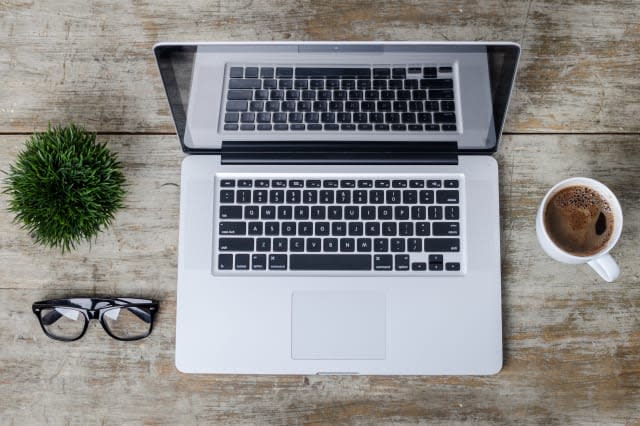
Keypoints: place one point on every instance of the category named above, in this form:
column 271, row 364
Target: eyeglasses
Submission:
column 121, row 318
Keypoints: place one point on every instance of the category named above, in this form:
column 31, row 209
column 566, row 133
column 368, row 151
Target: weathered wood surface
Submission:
column 571, row 342
column 90, row 60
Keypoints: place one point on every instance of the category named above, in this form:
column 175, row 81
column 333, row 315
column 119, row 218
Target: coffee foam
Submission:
column 571, row 216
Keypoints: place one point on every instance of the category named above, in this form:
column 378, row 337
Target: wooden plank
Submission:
column 571, row 341
column 91, row 62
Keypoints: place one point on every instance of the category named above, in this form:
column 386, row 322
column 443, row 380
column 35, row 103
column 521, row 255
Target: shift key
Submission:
column 235, row 244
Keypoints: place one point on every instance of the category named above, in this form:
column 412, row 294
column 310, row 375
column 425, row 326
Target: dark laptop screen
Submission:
column 429, row 92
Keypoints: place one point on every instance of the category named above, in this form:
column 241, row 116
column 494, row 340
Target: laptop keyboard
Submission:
column 349, row 99
column 360, row 223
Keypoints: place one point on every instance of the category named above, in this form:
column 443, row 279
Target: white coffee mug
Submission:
column 601, row 262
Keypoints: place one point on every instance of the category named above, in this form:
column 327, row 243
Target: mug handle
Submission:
column 606, row 267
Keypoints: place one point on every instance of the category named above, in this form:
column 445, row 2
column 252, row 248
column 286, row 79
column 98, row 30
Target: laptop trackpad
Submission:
column 338, row 325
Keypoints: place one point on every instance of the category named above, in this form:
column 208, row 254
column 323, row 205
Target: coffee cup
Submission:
column 580, row 221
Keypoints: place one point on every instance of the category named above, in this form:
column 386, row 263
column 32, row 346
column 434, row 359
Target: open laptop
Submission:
column 339, row 205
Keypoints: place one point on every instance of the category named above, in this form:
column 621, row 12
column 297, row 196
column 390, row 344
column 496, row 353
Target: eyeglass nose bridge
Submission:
column 93, row 313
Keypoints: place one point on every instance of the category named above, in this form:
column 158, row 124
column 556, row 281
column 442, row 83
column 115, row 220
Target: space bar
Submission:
column 330, row 262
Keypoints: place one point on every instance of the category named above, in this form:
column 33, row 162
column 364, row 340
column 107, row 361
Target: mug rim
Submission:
column 596, row 186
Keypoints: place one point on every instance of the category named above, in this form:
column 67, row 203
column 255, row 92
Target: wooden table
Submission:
column 571, row 341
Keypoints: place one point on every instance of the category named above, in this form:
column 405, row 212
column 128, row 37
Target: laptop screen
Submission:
column 317, row 91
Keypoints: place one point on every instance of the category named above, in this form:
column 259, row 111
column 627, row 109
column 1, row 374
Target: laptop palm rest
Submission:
column 338, row 325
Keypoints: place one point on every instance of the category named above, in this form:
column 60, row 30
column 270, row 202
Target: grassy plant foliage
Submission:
column 65, row 187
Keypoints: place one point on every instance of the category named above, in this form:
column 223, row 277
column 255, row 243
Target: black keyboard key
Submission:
column 449, row 127
column 414, row 183
column 382, row 127
column 432, row 127
column 296, row 244
column 301, row 84
column 423, row 229
column 247, row 117
column 414, row 245
column 322, row 228
column 278, row 262
column 226, row 196
column 283, row 72
column 280, row 127
column 411, row 84
column 408, row 118
column 419, row 95
column 309, row 196
column 232, row 228
column 242, row 262
column 348, row 84
column 236, row 72
column 231, row 117
column 429, row 72
column 348, row 127
column 440, row 94
column 399, row 106
column 339, row 228
column 399, row 127
column 339, row 95
column 280, row 117
column 270, row 84
column 419, row 266
column 271, row 228
column 251, row 72
column 301, row 212
column 330, row 262
column 393, row 196
column 344, row 117
column 376, row 117
column 245, row 83
column 382, row 262
column 431, row 183
column 251, row 212
column 397, row 245
column 450, row 183
column 410, row 196
column 446, row 228
column 401, row 212
column 237, row 105
column 380, row 85
column 263, row 244
column 372, row 229
column 256, row 106
column 444, row 117
column 272, row 106
column 418, row 213
column 314, row 244
column 285, row 84
column 405, row 229
column 263, row 117
column 335, row 212
column 318, row 212
column 399, row 73
column 347, row 244
column 384, row 73
column 235, row 244
column 304, row 72
column 264, row 127
column 317, row 84
column 258, row 262
column 451, row 212
column 395, row 84
column 292, row 95
column 324, row 95
column 381, row 245
column 363, row 245
column 387, row 95
column 447, row 106
column 441, row 244
column 415, row 127
column 268, row 212
column 266, row 72
column 447, row 196
column 435, row 212
column 436, row 266
column 367, row 213
column 314, row 126
column 225, row 261
column 305, row 228
column 247, row 127
column 230, row 212
column 330, row 244
column 403, row 95
column 424, row 117
column 385, row 212
column 275, row 95
column 402, row 262
column 389, row 229
column 297, row 126
column 285, row 212
column 436, row 258
column 280, row 244
column 444, row 83
column 453, row 266
column 356, row 228
column 351, row 212
column 245, row 183
column 255, row 228
column 399, row 183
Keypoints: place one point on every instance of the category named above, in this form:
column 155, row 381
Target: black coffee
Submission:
column 579, row 220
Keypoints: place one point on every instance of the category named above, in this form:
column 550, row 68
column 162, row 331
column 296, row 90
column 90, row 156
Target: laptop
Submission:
column 339, row 208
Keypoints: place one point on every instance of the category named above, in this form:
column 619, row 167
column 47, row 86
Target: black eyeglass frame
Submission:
column 95, row 308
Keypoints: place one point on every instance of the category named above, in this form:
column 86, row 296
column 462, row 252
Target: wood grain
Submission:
column 90, row 61
column 571, row 342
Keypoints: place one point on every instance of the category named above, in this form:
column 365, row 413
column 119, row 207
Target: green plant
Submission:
column 65, row 187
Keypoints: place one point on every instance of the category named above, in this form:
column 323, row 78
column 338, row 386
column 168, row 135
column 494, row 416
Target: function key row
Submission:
column 338, row 72
column 342, row 183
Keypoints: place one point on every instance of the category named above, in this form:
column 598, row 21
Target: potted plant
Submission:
column 64, row 187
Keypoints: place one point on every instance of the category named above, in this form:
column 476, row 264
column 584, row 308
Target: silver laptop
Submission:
column 339, row 205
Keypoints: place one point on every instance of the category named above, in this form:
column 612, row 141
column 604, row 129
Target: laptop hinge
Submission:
column 338, row 152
